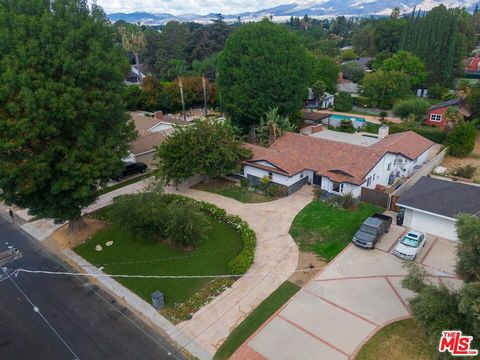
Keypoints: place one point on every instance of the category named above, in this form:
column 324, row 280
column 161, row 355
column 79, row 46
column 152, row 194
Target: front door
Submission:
column 317, row 180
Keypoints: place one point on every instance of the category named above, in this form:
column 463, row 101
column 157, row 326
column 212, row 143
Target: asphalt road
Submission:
column 76, row 320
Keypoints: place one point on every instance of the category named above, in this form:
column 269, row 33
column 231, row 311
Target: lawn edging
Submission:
column 242, row 262
column 256, row 319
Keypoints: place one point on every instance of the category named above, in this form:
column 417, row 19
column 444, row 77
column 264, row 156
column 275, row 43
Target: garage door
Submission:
column 434, row 225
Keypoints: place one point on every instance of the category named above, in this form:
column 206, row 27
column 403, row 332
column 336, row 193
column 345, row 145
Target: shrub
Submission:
column 244, row 182
column 436, row 91
column 346, row 201
column 383, row 114
column 186, row 225
column 353, row 71
column 343, row 101
column 461, row 140
column 466, row 171
column 432, row 133
column 417, row 107
column 264, row 183
column 242, row 262
column 145, row 215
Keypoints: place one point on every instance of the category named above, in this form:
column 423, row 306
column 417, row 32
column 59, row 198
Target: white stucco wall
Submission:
column 380, row 172
column 434, row 225
column 276, row 178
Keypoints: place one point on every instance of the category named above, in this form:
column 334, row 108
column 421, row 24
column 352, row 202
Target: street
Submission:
column 69, row 318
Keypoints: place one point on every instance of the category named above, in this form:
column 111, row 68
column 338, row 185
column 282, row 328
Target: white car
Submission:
column 410, row 245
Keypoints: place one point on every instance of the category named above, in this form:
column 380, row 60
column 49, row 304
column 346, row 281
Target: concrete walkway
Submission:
column 276, row 257
column 346, row 304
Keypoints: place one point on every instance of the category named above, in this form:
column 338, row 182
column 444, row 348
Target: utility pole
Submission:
column 204, row 82
column 180, row 84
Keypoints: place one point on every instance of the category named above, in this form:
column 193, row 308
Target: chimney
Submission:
column 158, row 115
column 383, row 131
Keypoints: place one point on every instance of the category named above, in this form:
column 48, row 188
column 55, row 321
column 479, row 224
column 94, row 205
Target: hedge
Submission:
column 242, row 262
column 434, row 134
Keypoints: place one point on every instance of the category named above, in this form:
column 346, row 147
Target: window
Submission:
column 337, row 187
column 369, row 180
column 301, row 176
column 389, row 167
column 270, row 175
column 436, row 117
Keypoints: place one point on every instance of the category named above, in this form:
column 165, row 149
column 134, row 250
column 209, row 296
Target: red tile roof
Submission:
column 408, row 144
column 341, row 162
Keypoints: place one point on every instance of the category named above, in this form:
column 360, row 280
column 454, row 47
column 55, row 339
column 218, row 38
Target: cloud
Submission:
column 178, row 7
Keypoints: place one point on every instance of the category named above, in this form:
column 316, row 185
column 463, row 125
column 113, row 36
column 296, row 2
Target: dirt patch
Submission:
column 306, row 261
column 452, row 162
column 63, row 239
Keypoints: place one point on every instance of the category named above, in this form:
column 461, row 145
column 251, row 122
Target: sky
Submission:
column 178, row 7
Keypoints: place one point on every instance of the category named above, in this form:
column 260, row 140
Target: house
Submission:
column 436, row 113
column 152, row 131
column 324, row 102
column 432, row 204
column 135, row 76
column 337, row 167
column 348, row 87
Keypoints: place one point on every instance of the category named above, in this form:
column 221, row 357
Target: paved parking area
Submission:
column 352, row 298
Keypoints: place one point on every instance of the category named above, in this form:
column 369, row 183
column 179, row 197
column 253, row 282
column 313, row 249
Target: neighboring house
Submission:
column 431, row 205
column 314, row 117
column 152, row 131
column 436, row 113
column 135, row 76
column 324, row 102
column 338, row 168
column 348, row 87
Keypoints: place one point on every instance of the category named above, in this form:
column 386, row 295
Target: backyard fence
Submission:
column 407, row 185
column 375, row 197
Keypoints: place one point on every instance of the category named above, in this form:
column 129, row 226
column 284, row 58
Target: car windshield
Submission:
column 368, row 229
column 409, row 241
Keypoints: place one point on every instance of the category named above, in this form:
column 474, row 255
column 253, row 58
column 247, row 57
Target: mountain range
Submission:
column 315, row 9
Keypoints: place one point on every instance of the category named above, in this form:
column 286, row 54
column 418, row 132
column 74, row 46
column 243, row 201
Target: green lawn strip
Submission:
column 327, row 230
column 121, row 184
column 401, row 340
column 256, row 318
column 210, row 258
column 231, row 190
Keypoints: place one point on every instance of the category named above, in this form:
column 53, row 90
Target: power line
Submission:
column 37, row 310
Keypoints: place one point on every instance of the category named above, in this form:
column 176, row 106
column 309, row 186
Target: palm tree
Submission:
column 133, row 40
column 395, row 13
column 463, row 88
column 272, row 126
column 453, row 117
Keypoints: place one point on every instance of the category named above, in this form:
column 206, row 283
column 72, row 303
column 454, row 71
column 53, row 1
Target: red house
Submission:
column 436, row 113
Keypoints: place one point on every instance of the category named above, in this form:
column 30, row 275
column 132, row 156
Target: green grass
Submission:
column 121, row 184
column 402, row 340
column 210, row 258
column 232, row 190
column 325, row 229
column 258, row 316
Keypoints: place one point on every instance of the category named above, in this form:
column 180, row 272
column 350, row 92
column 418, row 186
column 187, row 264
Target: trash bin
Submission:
column 400, row 216
column 157, row 300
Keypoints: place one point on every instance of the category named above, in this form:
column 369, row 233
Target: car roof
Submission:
column 414, row 234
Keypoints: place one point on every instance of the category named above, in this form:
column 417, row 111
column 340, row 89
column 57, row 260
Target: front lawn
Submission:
column 325, row 229
column 232, row 190
column 256, row 318
column 402, row 340
column 128, row 256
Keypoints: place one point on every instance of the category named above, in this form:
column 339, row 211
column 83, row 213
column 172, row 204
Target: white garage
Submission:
column 432, row 204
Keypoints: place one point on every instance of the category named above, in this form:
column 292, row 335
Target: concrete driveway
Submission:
column 342, row 307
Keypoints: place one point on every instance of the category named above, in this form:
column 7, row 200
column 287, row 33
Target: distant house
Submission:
column 436, row 113
column 338, row 168
column 324, row 102
column 431, row 205
column 152, row 131
column 135, row 76
column 348, row 87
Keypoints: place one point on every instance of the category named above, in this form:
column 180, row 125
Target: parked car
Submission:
column 410, row 245
column 400, row 216
column 132, row 168
column 371, row 230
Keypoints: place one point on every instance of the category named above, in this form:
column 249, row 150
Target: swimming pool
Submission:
column 336, row 120
column 343, row 117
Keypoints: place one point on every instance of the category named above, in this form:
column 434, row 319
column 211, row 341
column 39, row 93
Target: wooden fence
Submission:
column 375, row 197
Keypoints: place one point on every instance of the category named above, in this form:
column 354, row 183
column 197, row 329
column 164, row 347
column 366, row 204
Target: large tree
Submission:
column 63, row 126
column 262, row 66
column 409, row 64
column 209, row 148
column 383, row 88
